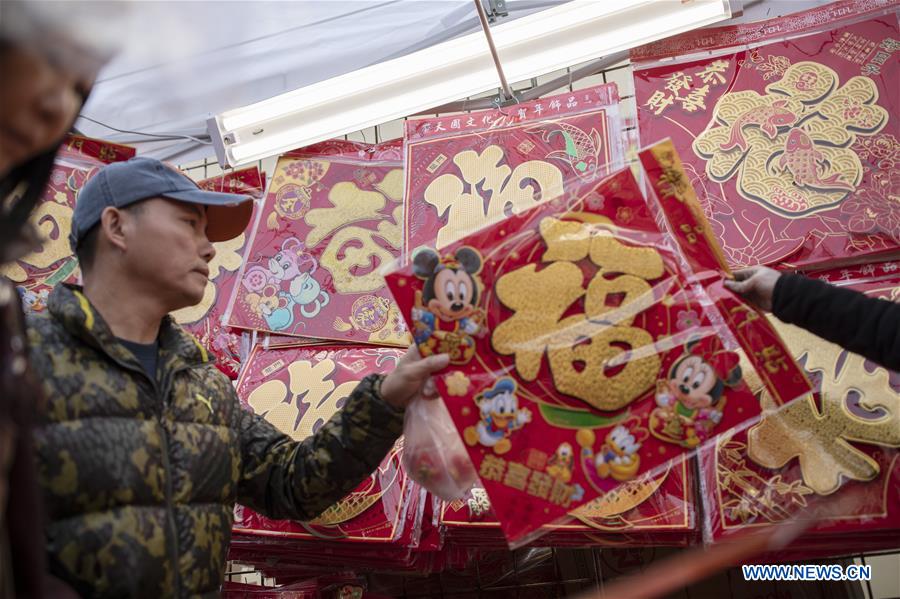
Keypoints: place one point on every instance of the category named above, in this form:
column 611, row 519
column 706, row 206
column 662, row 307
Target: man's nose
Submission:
column 209, row 250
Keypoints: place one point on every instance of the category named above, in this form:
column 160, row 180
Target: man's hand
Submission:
column 412, row 378
column 756, row 285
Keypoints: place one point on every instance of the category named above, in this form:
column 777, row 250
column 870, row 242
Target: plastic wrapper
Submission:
column 788, row 129
column 205, row 320
column 276, row 341
column 331, row 218
column 587, row 350
column 37, row 273
column 839, row 471
column 465, row 172
column 433, row 454
column 297, row 390
column 431, row 538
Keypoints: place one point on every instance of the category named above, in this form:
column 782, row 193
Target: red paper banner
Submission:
column 36, row 274
column 793, row 144
column 297, row 390
column 331, row 219
column 659, row 511
column 204, row 320
column 467, row 171
column 577, row 337
column 847, row 466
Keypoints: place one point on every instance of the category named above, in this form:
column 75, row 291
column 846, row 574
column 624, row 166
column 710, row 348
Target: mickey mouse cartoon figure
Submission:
column 690, row 402
column 446, row 315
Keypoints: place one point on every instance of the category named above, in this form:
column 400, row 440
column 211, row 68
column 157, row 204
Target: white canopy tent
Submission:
column 184, row 61
column 209, row 57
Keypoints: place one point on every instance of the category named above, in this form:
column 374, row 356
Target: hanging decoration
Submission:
column 792, row 143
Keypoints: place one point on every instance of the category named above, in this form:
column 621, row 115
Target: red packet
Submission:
column 37, row 273
column 297, row 390
column 331, row 218
column 577, row 336
column 849, row 480
column 204, row 320
column 467, row 171
column 792, row 144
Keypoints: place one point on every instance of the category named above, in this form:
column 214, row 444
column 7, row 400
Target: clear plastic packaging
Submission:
column 747, row 107
column 331, row 217
column 841, row 491
column 297, row 390
column 433, row 454
column 587, row 346
column 468, row 171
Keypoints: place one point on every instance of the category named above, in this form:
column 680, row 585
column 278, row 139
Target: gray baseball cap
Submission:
column 123, row 183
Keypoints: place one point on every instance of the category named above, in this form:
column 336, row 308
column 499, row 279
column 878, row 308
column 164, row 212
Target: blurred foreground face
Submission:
column 39, row 99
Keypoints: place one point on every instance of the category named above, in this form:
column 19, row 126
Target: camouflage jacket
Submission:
column 140, row 477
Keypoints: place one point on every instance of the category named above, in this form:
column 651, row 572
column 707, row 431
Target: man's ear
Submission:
column 113, row 227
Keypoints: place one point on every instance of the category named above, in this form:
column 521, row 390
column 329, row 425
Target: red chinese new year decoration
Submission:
column 586, row 350
column 37, row 273
column 468, row 171
column 798, row 464
column 792, row 144
column 205, row 320
column 298, row 389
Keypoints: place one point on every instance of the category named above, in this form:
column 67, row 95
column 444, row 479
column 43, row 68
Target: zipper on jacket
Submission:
column 162, row 401
column 170, row 508
column 163, row 395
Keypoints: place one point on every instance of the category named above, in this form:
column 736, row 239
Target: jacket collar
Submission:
column 69, row 306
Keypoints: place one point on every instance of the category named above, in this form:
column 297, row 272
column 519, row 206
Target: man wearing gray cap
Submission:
column 145, row 449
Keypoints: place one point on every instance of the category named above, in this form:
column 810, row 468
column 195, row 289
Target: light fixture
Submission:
column 540, row 43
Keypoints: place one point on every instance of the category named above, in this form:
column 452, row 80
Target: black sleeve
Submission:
column 863, row 325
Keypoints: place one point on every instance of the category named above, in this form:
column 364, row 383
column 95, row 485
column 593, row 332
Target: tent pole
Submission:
column 507, row 90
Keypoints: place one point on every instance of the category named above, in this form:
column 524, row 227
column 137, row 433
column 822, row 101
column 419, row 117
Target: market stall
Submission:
column 566, row 240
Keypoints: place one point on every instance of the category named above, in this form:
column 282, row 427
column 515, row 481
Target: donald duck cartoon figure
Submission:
column 500, row 415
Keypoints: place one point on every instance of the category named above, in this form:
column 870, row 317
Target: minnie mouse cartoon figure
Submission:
column 292, row 266
column 446, row 315
column 691, row 401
